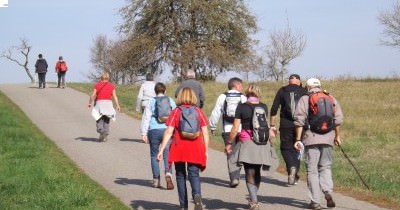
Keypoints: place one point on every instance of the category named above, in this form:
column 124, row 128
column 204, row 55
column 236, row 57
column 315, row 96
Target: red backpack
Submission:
column 62, row 66
column 321, row 116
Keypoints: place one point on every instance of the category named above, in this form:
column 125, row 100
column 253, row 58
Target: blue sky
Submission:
column 343, row 37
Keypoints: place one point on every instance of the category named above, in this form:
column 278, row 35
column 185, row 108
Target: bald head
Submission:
column 190, row 74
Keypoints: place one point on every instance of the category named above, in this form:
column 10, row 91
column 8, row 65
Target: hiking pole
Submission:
column 347, row 157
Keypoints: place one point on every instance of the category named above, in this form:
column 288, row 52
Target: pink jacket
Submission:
column 301, row 115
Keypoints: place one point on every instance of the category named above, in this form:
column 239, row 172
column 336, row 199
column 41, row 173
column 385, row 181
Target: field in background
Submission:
column 35, row 173
column 370, row 132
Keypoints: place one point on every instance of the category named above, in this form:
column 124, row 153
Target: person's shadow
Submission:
column 131, row 140
column 92, row 139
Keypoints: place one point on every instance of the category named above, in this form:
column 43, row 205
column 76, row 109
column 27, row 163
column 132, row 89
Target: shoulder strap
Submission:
column 101, row 88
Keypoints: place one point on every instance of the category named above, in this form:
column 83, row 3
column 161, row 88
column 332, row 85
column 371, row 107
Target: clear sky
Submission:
column 343, row 37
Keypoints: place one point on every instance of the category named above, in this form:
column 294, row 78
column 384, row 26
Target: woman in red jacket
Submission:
column 190, row 154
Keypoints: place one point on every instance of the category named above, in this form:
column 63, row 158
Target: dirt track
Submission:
column 122, row 164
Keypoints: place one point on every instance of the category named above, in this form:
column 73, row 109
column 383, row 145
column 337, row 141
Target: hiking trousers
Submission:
column 318, row 159
column 61, row 79
column 233, row 167
column 103, row 125
column 193, row 171
column 289, row 153
column 42, row 79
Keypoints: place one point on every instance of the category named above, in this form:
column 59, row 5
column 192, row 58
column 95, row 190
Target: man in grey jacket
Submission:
column 195, row 85
column 318, row 147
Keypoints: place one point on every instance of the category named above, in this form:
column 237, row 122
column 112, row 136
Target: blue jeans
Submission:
column 155, row 137
column 194, row 179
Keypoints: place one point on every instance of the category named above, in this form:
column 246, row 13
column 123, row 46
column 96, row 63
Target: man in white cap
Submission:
column 322, row 116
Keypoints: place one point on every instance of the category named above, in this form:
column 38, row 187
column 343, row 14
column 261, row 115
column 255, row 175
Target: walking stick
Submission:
column 347, row 157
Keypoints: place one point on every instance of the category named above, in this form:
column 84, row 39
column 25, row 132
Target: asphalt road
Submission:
column 122, row 164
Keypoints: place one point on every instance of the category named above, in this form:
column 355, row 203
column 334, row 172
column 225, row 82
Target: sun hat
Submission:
column 313, row 82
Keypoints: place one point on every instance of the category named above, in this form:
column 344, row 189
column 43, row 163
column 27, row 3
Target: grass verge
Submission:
column 370, row 132
column 35, row 174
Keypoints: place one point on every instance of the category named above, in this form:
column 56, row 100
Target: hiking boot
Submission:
column 292, row 176
column 314, row 206
column 254, row 205
column 329, row 200
column 234, row 183
column 156, row 183
column 197, row 203
column 168, row 179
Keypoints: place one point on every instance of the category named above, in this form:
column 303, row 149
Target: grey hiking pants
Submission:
column 103, row 125
column 233, row 167
column 318, row 159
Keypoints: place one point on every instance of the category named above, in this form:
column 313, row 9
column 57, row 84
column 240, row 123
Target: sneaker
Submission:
column 254, row 205
column 234, row 183
column 315, row 206
column 197, row 203
column 329, row 200
column 156, row 183
column 168, row 179
column 292, row 176
column 296, row 180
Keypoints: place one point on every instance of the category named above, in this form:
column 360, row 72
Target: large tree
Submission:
column 24, row 49
column 390, row 19
column 284, row 46
column 208, row 36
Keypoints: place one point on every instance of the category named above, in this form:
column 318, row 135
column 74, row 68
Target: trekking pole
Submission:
column 347, row 157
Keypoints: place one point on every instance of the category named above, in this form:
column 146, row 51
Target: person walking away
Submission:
column 196, row 86
column 226, row 105
column 254, row 149
column 103, row 110
column 153, row 127
column 323, row 116
column 189, row 147
column 146, row 92
column 41, row 70
column 61, row 70
column 287, row 98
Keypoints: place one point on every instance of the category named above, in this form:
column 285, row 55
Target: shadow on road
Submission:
column 140, row 204
column 87, row 139
column 126, row 181
column 132, row 140
column 283, row 201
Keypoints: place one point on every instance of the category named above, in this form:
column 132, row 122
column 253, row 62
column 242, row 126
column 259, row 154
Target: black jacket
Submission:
column 41, row 66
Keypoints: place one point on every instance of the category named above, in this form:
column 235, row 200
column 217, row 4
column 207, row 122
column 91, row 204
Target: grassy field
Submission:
column 35, row 174
column 370, row 132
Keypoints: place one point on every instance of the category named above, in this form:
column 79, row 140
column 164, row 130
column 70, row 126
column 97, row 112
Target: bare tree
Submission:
column 284, row 46
column 390, row 19
column 24, row 48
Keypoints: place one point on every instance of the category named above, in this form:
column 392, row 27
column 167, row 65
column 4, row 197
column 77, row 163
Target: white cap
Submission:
column 313, row 82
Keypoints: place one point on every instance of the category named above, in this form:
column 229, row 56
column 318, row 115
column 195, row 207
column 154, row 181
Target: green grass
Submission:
column 370, row 132
column 35, row 174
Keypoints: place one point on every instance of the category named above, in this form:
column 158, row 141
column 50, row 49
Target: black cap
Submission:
column 294, row 76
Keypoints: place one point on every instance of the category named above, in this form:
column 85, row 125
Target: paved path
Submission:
column 122, row 165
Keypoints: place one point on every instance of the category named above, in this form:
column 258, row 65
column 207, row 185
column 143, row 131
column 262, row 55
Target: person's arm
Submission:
column 216, row 113
column 232, row 135
column 275, row 107
column 92, row 97
column 167, row 135
column 206, row 139
column 114, row 95
column 139, row 99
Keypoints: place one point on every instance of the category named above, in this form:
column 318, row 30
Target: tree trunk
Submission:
column 29, row 74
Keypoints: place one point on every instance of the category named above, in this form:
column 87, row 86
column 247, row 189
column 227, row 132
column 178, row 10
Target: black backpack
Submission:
column 291, row 98
column 321, row 115
column 259, row 125
column 162, row 108
column 231, row 102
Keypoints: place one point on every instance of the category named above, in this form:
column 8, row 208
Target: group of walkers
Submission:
column 41, row 69
column 177, row 132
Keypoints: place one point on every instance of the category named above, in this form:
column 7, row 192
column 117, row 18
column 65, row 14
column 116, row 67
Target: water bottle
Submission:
column 300, row 145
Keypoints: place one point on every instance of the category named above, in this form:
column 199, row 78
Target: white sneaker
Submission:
column 168, row 179
column 156, row 183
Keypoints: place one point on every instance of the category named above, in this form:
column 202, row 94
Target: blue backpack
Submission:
column 189, row 123
column 162, row 108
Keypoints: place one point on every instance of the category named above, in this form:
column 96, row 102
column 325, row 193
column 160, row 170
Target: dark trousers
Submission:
column 42, row 79
column 193, row 171
column 289, row 153
column 61, row 79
